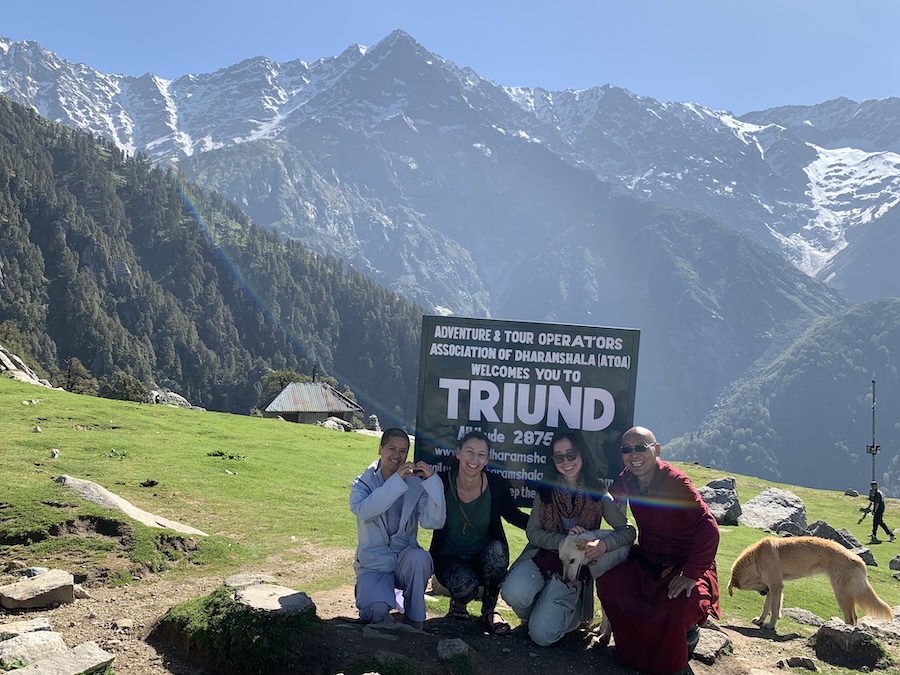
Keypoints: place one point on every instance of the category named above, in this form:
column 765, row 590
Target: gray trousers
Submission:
column 375, row 596
column 549, row 606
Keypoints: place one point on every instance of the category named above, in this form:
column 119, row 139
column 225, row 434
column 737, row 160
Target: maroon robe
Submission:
column 676, row 535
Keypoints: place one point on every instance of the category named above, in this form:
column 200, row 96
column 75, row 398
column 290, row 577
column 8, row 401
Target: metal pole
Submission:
column 873, row 449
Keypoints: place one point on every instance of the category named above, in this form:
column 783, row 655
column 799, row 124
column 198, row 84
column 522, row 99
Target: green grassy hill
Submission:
column 264, row 491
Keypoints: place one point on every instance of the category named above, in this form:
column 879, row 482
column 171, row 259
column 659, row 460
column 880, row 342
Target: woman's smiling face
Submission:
column 472, row 456
column 393, row 453
column 567, row 459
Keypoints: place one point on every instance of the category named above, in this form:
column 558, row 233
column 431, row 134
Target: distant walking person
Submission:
column 877, row 506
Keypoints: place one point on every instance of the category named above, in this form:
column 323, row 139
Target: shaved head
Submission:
column 640, row 435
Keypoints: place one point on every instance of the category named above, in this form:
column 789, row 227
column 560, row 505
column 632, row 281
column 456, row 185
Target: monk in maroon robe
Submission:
column 668, row 586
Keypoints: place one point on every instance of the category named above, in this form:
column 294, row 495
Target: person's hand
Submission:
column 578, row 529
column 423, row 470
column 679, row 584
column 406, row 470
column 595, row 549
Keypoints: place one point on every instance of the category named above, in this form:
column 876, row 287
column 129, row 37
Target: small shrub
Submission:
column 231, row 636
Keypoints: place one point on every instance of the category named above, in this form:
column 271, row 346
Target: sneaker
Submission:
column 892, row 538
column 874, row 540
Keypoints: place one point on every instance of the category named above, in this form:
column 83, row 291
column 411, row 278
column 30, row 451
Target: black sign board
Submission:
column 520, row 383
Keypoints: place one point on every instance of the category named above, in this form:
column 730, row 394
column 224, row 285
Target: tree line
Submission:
column 115, row 271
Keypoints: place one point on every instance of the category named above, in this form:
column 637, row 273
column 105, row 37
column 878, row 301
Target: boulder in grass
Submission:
column 45, row 590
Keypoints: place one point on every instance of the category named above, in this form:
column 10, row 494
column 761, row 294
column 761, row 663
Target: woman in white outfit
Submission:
column 390, row 500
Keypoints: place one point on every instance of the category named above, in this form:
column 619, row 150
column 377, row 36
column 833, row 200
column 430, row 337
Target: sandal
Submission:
column 458, row 610
column 495, row 627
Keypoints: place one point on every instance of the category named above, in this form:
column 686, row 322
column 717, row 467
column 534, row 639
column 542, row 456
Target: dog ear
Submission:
column 733, row 583
column 581, row 544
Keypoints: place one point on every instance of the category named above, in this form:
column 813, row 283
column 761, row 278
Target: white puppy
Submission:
column 572, row 555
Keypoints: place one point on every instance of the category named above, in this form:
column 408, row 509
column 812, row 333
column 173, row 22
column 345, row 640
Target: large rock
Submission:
column 31, row 647
column 100, row 495
column 712, row 644
column 18, row 370
column 85, row 659
column 848, row 647
column 772, row 508
column 44, row 590
column 168, row 397
column 274, row 599
column 722, row 499
column 843, row 537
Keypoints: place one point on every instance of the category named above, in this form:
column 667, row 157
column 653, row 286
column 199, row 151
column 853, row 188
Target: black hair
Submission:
column 393, row 432
column 593, row 486
column 476, row 434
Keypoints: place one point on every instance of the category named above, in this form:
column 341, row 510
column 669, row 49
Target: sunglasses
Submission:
column 638, row 447
column 569, row 456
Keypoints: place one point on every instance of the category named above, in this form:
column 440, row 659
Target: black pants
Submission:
column 878, row 519
column 462, row 575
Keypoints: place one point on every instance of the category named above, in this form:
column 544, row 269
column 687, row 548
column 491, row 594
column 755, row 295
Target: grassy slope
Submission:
column 288, row 489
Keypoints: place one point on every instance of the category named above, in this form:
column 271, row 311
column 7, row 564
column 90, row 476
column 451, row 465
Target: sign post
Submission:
column 520, row 383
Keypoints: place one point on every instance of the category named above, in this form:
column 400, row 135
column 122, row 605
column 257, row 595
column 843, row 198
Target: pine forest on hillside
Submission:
column 126, row 268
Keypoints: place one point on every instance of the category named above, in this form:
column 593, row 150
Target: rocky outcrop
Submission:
column 16, row 368
column 844, row 537
column 774, row 510
column 335, row 424
column 169, row 397
column 722, row 499
column 31, row 647
column 100, row 495
column 849, row 647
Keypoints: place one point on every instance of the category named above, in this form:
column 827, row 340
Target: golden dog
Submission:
column 767, row 564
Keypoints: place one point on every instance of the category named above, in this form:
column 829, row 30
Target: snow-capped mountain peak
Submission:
column 799, row 179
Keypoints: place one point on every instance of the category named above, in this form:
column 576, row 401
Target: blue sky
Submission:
column 732, row 55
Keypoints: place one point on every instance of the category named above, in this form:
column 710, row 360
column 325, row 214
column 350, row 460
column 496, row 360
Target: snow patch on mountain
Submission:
column 847, row 188
column 781, row 175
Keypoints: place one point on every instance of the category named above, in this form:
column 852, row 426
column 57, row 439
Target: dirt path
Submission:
column 120, row 620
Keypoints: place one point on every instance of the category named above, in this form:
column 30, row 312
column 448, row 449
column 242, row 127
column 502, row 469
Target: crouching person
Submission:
column 572, row 501
column 390, row 500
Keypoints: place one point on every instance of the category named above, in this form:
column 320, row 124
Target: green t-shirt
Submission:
column 467, row 524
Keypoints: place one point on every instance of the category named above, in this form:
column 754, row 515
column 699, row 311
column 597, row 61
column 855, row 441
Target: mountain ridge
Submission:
column 713, row 234
column 767, row 189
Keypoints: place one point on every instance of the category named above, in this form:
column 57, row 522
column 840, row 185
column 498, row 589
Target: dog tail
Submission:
column 873, row 605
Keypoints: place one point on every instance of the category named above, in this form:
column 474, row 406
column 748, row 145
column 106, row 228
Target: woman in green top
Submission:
column 471, row 550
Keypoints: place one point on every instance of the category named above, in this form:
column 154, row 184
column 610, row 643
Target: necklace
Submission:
column 462, row 514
